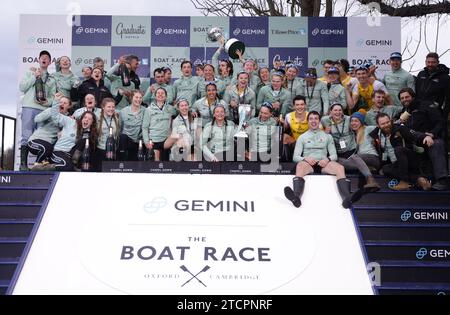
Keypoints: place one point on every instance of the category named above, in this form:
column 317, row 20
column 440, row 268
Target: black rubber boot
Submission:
column 343, row 186
column 24, row 158
column 295, row 195
column 348, row 198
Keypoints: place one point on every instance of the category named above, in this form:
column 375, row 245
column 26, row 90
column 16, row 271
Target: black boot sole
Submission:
column 290, row 195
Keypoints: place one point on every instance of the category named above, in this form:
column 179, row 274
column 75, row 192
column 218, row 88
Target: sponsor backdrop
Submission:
column 194, row 241
column 166, row 41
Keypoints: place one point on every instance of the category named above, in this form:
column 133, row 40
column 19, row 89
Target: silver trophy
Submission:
column 231, row 45
column 245, row 111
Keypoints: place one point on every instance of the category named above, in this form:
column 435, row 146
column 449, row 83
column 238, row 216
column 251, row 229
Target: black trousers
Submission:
column 62, row 161
column 406, row 167
column 128, row 149
column 42, row 149
column 437, row 155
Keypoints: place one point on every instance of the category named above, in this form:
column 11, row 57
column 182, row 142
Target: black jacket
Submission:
column 425, row 118
column 434, row 87
column 90, row 87
column 401, row 136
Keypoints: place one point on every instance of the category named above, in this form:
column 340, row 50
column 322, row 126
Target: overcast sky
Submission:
column 9, row 31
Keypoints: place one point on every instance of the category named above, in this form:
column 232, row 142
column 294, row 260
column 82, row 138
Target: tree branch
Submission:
column 411, row 10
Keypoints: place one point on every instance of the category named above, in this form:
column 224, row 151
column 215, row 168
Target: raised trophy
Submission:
column 231, row 46
column 245, row 111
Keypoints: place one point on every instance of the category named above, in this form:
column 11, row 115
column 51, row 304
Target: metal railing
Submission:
column 8, row 142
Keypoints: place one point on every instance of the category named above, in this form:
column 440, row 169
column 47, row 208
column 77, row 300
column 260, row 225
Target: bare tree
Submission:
column 264, row 7
column 401, row 8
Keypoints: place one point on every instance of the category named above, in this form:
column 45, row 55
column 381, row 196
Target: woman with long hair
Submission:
column 109, row 119
column 218, row 137
column 364, row 142
column 204, row 107
column 131, row 118
column 156, row 124
column 186, row 130
column 240, row 93
column 71, row 133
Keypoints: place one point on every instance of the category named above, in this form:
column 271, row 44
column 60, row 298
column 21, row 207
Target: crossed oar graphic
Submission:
column 184, row 268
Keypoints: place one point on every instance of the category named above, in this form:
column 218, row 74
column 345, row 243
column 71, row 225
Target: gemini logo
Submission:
column 91, row 30
column 315, row 31
column 158, row 31
column 392, row 183
column 421, row 253
column 318, row 31
column 405, row 216
column 155, row 205
column 236, row 32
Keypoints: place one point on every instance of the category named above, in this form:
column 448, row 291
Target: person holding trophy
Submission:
column 224, row 68
column 240, row 94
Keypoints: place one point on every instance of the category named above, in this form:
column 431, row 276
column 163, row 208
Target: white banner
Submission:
column 37, row 33
column 193, row 234
column 373, row 41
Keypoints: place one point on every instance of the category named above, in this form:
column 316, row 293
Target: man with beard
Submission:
column 117, row 86
column 433, row 84
column 419, row 116
column 394, row 144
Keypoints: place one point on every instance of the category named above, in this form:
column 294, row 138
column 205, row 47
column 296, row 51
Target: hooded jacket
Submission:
column 434, row 87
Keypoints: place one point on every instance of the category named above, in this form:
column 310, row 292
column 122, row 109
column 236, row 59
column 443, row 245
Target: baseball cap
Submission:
column 333, row 70
column 396, row 55
column 311, row 73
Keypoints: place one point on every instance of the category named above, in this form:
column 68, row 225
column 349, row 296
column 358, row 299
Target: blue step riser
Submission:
column 7, row 271
column 410, row 253
column 415, row 275
column 19, row 212
column 421, row 234
column 436, row 216
column 406, row 200
column 15, row 230
column 25, row 181
column 3, row 290
column 22, row 196
column 11, row 250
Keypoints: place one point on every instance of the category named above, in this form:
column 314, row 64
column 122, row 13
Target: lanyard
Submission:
column 185, row 124
column 343, row 128
column 242, row 98
column 209, row 107
column 106, row 121
column 312, row 92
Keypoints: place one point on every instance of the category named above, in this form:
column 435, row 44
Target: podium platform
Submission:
column 192, row 234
